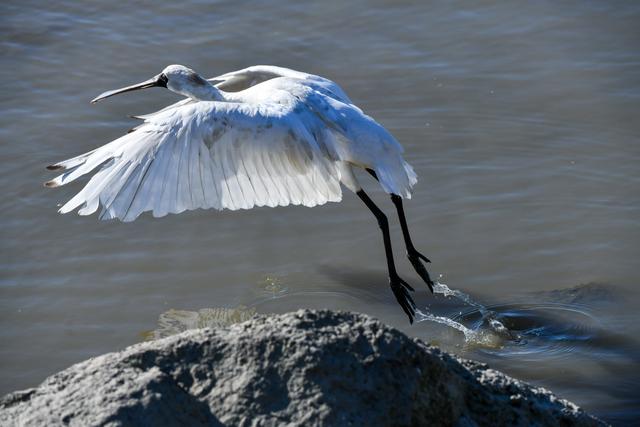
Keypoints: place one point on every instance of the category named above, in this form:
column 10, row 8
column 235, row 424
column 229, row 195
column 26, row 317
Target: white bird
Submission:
column 261, row 136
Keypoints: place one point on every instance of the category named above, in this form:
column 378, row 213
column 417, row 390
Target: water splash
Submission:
column 421, row 317
column 442, row 288
column 492, row 335
column 475, row 337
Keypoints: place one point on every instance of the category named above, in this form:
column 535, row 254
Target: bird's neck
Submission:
column 205, row 91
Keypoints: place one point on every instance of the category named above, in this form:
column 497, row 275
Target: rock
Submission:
column 303, row 368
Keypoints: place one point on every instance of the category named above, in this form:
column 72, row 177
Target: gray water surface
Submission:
column 520, row 118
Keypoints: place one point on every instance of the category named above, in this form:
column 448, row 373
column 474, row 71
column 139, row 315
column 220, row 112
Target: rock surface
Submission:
column 303, row 368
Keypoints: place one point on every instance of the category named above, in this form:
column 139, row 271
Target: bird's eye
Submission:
column 162, row 80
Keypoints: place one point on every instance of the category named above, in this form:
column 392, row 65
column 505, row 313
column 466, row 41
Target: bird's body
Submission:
column 262, row 136
column 287, row 140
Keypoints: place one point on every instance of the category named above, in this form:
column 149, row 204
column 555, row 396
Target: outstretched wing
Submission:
column 239, row 80
column 206, row 155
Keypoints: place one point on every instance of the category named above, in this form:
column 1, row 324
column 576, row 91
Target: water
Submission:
column 519, row 117
column 487, row 331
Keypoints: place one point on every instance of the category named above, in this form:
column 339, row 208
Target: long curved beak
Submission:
column 158, row 81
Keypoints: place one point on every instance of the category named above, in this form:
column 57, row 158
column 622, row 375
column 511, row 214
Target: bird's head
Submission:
column 184, row 81
column 176, row 78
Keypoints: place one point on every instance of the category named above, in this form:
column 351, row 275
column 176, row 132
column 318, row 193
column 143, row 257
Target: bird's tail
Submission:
column 396, row 176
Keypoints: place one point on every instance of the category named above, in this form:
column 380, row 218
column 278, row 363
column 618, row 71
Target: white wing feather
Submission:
column 287, row 143
column 239, row 80
column 205, row 155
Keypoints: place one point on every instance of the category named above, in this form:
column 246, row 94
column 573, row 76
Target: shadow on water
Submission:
column 372, row 282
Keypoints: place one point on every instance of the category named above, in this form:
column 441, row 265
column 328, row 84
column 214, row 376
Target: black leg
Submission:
column 414, row 256
column 399, row 287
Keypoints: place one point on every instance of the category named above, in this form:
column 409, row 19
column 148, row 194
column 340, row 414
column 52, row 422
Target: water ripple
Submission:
column 548, row 330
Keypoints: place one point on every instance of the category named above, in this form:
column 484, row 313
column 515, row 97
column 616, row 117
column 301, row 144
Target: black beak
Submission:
column 158, row 81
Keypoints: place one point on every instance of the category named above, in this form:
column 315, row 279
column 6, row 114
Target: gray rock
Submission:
column 303, row 368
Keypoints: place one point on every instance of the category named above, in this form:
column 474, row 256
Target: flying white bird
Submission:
column 261, row 136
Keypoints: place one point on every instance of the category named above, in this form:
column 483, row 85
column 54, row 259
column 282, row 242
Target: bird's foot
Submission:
column 401, row 290
column 416, row 258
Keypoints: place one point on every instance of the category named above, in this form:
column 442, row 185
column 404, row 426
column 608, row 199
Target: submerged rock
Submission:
column 302, row 368
column 175, row 321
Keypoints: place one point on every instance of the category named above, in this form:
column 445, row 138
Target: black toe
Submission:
column 400, row 290
column 415, row 259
